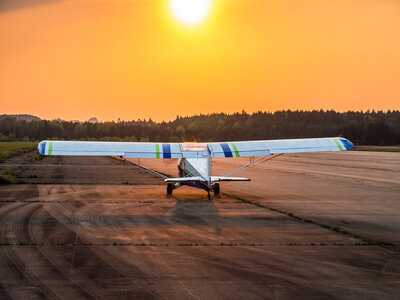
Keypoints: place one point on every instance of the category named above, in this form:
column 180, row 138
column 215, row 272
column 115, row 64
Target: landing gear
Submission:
column 170, row 188
column 216, row 189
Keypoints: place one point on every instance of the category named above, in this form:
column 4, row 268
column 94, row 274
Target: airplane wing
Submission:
column 127, row 149
column 267, row 147
column 178, row 150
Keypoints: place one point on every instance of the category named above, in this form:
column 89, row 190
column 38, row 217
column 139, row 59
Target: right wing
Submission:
column 267, row 147
column 127, row 149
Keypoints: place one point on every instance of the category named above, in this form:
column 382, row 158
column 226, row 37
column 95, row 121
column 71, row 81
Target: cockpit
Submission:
column 194, row 147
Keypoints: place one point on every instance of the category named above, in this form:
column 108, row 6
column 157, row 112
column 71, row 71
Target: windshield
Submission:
column 194, row 147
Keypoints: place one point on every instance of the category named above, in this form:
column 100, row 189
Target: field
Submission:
column 9, row 149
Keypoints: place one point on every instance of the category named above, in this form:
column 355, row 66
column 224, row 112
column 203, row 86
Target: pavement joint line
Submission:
column 336, row 229
column 115, row 244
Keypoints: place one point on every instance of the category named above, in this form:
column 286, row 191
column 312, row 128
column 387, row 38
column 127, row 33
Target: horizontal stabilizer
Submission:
column 184, row 179
column 221, row 178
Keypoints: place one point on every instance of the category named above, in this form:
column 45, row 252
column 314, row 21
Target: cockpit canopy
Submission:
column 194, row 147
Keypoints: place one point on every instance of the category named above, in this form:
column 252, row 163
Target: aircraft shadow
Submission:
column 197, row 212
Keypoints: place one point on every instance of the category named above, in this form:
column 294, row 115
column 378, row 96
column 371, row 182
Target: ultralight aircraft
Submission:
column 194, row 164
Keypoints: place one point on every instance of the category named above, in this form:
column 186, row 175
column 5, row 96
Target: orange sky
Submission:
column 131, row 59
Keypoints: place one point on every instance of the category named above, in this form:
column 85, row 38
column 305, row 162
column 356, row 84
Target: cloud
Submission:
column 8, row 5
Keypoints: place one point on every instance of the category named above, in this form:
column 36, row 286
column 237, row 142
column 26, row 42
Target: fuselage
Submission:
column 197, row 163
column 196, row 167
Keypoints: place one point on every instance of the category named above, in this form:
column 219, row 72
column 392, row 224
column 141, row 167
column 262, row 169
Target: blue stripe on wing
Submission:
column 42, row 148
column 226, row 149
column 166, row 150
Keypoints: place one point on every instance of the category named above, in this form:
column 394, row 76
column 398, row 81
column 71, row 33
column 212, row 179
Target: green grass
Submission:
column 9, row 176
column 10, row 149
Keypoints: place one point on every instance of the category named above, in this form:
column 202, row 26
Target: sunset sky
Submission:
column 133, row 59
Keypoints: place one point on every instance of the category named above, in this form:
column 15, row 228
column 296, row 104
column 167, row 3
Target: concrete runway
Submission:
column 316, row 226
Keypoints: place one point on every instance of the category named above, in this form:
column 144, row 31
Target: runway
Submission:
column 317, row 226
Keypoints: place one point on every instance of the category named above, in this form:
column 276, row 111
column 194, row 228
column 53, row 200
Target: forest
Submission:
column 362, row 128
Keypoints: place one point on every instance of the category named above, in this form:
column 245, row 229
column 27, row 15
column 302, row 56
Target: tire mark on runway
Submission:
column 118, row 259
column 133, row 273
column 391, row 269
column 94, row 256
column 19, row 262
column 71, row 272
column 27, row 259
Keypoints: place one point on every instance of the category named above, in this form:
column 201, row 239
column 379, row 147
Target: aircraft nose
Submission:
column 42, row 147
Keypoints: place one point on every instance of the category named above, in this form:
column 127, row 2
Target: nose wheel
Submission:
column 170, row 188
column 216, row 189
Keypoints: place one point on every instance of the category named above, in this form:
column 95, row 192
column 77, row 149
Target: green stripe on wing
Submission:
column 50, row 148
column 235, row 149
column 157, row 150
column 338, row 144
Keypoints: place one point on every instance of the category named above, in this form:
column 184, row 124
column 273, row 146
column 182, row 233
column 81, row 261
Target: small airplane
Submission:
column 194, row 163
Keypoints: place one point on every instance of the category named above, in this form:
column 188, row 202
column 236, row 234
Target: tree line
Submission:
column 363, row 128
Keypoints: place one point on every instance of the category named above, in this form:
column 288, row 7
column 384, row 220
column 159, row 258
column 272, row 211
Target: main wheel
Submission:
column 170, row 188
column 216, row 189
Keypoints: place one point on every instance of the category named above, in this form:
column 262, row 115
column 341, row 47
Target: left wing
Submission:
column 127, row 149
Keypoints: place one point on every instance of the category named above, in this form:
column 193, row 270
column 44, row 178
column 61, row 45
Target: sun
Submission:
column 190, row 12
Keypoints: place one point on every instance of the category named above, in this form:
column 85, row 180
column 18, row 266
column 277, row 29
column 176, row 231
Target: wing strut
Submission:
column 253, row 163
column 144, row 168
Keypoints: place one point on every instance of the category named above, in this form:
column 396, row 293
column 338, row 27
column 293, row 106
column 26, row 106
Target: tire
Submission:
column 170, row 188
column 216, row 189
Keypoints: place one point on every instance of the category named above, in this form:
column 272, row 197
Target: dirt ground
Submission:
column 310, row 226
column 76, row 170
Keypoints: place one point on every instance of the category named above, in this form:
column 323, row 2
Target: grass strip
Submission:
column 10, row 149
